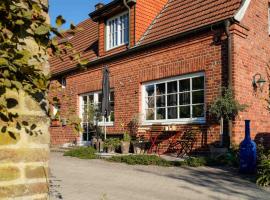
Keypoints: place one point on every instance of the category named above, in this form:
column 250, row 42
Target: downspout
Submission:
column 227, row 138
column 129, row 24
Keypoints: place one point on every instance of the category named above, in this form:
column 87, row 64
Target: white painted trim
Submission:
column 239, row 15
column 201, row 120
column 118, row 33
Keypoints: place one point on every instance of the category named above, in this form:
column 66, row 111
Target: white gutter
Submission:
column 239, row 15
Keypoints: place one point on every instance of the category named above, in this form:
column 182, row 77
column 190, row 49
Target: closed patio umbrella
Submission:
column 106, row 108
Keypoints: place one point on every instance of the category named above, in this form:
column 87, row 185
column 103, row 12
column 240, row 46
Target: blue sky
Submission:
column 72, row 10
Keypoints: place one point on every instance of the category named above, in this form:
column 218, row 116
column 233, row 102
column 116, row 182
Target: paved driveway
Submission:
column 75, row 179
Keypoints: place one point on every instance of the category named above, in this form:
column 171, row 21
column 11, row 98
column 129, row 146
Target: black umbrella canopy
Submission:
column 106, row 108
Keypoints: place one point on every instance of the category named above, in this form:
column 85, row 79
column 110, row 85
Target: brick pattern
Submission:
column 251, row 55
column 195, row 54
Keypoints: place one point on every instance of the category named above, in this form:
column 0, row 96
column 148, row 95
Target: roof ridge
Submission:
column 153, row 22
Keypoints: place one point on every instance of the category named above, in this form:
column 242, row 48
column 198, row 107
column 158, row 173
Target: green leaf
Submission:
column 34, row 126
column 42, row 30
column 12, row 135
column 25, row 123
column 19, row 22
column 60, row 21
column 3, row 62
column 4, row 129
column 11, row 103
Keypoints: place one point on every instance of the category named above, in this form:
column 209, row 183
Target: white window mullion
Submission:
column 155, row 99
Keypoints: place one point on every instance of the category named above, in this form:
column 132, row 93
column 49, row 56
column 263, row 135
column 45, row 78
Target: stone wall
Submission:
column 24, row 152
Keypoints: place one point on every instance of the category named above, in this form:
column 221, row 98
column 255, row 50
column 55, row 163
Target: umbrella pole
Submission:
column 105, row 129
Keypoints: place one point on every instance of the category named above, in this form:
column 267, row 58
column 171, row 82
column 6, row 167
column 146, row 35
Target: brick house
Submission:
column 168, row 61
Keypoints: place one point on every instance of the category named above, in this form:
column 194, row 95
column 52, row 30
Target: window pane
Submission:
column 172, row 100
column 112, row 96
column 198, row 111
column 160, row 101
column 198, row 97
column 185, row 112
column 172, row 87
column 184, row 85
column 150, row 89
column 184, row 98
column 172, row 113
column 85, row 100
column 99, row 97
column 91, row 99
column 150, row 115
column 112, row 106
column 150, row 102
column 160, row 89
column 198, row 83
column 112, row 117
column 161, row 113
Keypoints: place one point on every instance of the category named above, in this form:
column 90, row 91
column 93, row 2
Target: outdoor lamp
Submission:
column 258, row 81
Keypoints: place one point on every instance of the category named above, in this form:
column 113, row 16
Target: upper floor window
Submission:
column 117, row 31
column 179, row 99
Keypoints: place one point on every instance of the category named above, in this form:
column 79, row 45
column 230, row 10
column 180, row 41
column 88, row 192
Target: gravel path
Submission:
column 75, row 179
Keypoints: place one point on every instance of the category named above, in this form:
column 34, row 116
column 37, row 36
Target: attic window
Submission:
column 117, row 31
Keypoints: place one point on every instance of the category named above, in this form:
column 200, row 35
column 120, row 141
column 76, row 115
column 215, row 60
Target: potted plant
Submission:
column 56, row 119
column 225, row 108
column 111, row 144
column 139, row 145
column 125, row 143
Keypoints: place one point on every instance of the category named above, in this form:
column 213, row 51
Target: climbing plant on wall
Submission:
column 21, row 21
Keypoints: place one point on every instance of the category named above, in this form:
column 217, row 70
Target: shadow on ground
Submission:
column 219, row 180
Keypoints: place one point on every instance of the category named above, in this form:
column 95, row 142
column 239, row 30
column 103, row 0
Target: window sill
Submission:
column 116, row 47
column 106, row 124
column 174, row 122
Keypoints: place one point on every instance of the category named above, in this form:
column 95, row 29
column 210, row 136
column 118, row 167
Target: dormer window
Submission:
column 117, row 31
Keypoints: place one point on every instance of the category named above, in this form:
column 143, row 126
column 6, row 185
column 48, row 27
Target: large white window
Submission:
column 178, row 99
column 94, row 100
column 117, row 29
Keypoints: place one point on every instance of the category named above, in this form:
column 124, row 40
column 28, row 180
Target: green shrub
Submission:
column 263, row 170
column 141, row 160
column 82, row 152
column 126, row 137
column 112, row 142
column 195, row 161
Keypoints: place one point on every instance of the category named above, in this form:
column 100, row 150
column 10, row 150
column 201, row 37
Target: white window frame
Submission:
column 101, row 123
column 200, row 120
column 119, row 29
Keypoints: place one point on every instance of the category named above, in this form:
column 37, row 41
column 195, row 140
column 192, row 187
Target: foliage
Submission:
column 226, row 106
column 82, row 152
column 141, row 160
column 112, row 142
column 25, row 47
column 57, row 116
column 263, row 170
column 126, row 137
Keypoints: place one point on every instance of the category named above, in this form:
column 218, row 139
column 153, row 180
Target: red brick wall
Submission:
column 251, row 47
column 194, row 54
column 146, row 11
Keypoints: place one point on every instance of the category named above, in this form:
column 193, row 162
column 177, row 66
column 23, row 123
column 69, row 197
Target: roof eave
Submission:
column 144, row 46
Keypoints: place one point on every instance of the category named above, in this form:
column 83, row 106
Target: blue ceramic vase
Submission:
column 248, row 155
